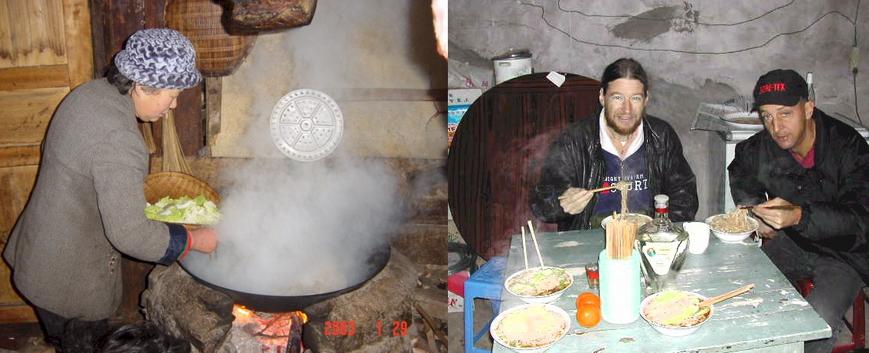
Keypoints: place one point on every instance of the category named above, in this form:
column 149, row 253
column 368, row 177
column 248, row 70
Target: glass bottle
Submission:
column 661, row 242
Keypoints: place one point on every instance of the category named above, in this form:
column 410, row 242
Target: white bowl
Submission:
column 561, row 315
column 732, row 237
column 548, row 298
column 673, row 330
column 646, row 219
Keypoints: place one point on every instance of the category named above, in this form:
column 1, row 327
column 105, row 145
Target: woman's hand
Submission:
column 203, row 239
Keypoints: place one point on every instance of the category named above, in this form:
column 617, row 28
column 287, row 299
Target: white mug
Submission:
column 698, row 236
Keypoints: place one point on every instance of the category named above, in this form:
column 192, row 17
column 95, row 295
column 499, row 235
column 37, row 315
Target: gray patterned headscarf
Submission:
column 159, row 58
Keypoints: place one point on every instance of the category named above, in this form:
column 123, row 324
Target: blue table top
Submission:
column 772, row 317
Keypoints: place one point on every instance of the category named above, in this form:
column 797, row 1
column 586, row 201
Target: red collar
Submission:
column 808, row 161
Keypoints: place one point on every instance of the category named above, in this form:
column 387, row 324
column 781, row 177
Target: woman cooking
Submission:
column 86, row 208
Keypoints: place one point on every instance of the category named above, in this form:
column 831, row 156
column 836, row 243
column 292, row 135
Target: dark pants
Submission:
column 836, row 283
column 71, row 335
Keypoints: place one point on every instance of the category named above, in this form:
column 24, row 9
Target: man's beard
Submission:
column 610, row 122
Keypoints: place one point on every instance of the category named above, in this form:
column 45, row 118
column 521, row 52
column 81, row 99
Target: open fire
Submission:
column 272, row 332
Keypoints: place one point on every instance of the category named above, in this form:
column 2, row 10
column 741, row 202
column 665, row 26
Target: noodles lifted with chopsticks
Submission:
column 622, row 187
column 735, row 221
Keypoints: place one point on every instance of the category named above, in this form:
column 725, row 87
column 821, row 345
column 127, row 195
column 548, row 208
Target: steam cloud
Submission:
column 300, row 228
column 292, row 228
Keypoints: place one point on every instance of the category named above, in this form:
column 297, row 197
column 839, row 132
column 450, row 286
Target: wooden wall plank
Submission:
column 38, row 37
column 15, row 186
column 46, row 28
column 19, row 25
column 79, row 45
column 15, row 78
column 26, row 114
column 15, row 156
column 16, row 314
column 5, row 36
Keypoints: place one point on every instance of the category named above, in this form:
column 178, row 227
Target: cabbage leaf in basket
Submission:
column 185, row 210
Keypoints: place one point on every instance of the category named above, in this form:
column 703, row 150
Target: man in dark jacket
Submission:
column 818, row 167
column 619, row 143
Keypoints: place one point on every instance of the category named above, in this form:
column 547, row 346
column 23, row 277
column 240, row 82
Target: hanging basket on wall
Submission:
column 267, row 15
column 218, row 53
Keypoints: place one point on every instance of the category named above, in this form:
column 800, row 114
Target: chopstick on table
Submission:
column 536, row 247
column 605, row 188
column 727, row 295
column 524, row 248
column 779, row 207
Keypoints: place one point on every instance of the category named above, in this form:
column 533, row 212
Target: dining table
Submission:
column 771, row 318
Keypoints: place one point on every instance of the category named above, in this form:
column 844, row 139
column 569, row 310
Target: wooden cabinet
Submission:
column 45, row 51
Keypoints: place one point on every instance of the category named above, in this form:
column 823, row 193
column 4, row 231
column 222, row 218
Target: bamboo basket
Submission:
column 218, row 53
column 175, row 185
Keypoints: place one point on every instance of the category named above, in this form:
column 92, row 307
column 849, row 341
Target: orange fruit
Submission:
column 588, row 315
column 588, row 298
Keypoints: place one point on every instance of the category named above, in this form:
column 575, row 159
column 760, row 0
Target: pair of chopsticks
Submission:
column 536, row 247
column 605, row 188
column 779, row 207
column 728, row 295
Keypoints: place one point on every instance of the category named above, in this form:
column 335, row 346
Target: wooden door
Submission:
column 45, row 51
column 496, row 154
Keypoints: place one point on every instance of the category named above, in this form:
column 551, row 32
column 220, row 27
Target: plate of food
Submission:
column 743, row 120
column 732, row 227
column 539, row 284
column 530, row 328
column 675, row 312
column 183, row 210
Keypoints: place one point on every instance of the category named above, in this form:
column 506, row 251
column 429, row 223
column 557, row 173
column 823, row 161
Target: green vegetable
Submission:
column 198, row 210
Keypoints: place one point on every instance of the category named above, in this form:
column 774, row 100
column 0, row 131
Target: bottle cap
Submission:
column 661, row 201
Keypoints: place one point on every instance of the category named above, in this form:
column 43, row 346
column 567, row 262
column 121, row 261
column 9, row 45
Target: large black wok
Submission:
column 276, row 303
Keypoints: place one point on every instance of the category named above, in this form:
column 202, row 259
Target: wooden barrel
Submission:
column 218, row 53
column 496, row 154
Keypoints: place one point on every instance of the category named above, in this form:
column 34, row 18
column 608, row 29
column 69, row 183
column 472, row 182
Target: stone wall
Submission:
column 694, row 52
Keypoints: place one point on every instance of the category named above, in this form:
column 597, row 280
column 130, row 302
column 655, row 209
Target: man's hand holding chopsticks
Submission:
column 574, row 200
column 778, row 213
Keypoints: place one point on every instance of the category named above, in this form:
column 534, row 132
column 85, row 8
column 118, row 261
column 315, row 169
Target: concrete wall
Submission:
column 694, row 51
column 376, row 58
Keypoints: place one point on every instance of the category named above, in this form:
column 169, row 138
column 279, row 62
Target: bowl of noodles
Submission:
column 732, row 227
column 638, row 218
column 675, row 312
column 539, row 284
column 530, row 328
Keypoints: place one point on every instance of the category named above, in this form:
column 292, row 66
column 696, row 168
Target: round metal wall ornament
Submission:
column 306, row 125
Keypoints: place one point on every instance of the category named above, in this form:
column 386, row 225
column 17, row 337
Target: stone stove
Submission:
column 373, row 318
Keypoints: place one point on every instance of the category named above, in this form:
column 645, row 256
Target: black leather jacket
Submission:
column 834, row 195
column 576, row 159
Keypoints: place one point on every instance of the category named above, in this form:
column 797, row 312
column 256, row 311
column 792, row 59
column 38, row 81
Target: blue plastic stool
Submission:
column 485, row 283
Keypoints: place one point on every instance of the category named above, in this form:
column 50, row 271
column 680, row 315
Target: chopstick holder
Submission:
column 620, row 289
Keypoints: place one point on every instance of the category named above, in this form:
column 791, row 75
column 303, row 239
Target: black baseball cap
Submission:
column 780, row 87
